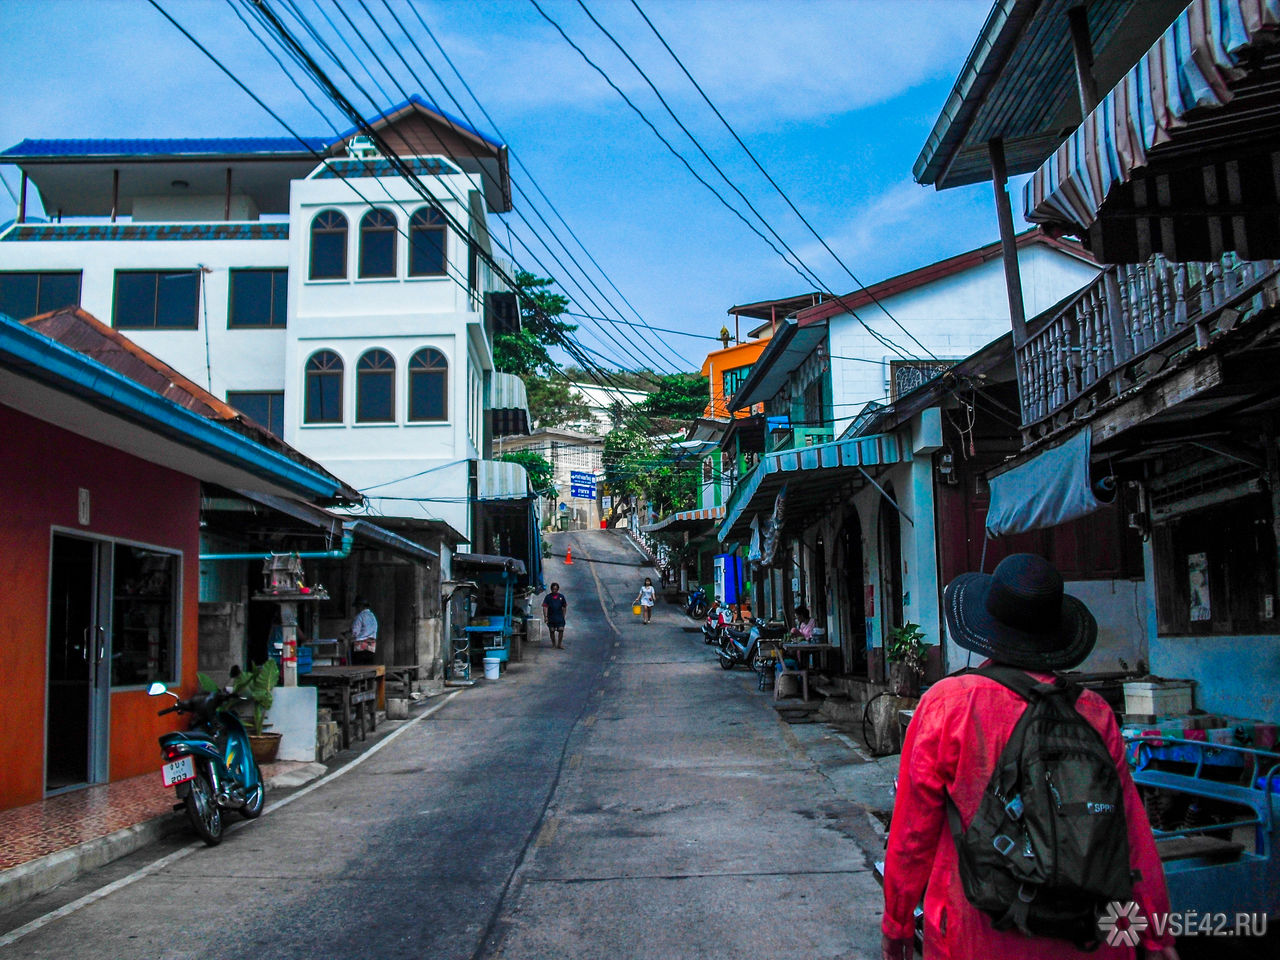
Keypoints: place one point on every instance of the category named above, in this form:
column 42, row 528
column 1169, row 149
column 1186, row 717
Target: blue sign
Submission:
column 582, row 485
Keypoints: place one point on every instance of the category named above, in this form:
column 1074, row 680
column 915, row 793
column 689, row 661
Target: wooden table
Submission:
column 353, row 691
column 404, row 676
column 809, row 651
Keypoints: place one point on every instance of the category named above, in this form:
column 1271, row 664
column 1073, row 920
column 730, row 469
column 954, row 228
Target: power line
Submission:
column 774, row 183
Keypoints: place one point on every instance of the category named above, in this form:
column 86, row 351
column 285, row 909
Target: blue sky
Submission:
column 835, row 99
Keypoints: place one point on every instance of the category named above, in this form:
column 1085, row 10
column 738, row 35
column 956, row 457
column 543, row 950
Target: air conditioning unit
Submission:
column 361, row 148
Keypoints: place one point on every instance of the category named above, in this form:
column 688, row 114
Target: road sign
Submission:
column 582, row 485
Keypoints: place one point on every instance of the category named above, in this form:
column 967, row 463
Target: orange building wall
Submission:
column 717, row 362
column 41, row 471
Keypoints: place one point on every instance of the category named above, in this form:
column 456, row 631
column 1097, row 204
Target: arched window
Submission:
column 329, row 246
column 427, row 243
column 378, row 244
column 375, row 388
column 428, row 385
column 323, row 388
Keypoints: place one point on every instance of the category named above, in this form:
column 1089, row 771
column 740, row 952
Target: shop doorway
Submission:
column 854, row 630
column 76, row 699
column 890, row 562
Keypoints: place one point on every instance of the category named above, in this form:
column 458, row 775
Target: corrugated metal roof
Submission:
column 684, row 520
column 1019, row 85
column 501, row 480
column 185, row 146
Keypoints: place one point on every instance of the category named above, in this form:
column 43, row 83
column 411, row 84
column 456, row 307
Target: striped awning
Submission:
column 685, row 520
column 508, row 401
column 1201, row 63
column 501, row 480
column 812, row 476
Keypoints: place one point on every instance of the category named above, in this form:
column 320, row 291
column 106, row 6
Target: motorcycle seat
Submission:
column 188, row 735
column 739, row 635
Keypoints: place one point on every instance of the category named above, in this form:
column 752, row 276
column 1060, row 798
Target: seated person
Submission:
column 804, row 624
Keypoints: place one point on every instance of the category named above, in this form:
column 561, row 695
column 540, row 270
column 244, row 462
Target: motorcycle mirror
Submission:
column 156, row 689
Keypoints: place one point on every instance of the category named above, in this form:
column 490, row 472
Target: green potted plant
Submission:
column 906, row 654
column 256, row 684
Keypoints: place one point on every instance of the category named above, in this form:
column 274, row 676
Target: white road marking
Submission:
column 143, row 872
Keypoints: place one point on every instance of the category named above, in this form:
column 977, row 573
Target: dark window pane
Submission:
column 426, row 256
column 58, row 290
column 250, row 298
column 135, row 300
column 280, row 298
column 266, row 407
column 427, row 396
column 374, row 400
column 19, row 294
column 142, row 628
column 178, row 299
column 258, row 298
column 329, row 246
column 378, row 244
column 323, row 388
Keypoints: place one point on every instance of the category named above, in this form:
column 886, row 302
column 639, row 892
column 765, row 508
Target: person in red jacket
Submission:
column 1017, row 616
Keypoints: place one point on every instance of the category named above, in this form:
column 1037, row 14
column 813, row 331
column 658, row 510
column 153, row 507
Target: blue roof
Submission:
column 220, row 146
column 213, row 146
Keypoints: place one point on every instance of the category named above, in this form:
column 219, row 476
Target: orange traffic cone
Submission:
column 568, row 557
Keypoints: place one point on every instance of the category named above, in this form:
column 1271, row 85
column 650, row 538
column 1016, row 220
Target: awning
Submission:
column 1203, row 62
column 489, row 561
column 685, row 520
column 1052, row 488
column 786, row 351
column 500, row 480
column 336, row 524
column 509, row 402
column 826, row 464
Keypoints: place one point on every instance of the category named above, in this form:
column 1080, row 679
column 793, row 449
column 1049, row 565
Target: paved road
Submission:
column 622, row 797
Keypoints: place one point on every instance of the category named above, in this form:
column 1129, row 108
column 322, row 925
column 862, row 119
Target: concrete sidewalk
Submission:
column 52, row 841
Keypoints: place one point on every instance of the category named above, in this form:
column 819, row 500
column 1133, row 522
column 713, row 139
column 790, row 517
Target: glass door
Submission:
column 77, row 691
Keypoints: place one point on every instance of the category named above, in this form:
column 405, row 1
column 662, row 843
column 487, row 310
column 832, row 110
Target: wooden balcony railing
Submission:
column 1124, row 315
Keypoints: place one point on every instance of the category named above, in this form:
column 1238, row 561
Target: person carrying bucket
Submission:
column 646, row 599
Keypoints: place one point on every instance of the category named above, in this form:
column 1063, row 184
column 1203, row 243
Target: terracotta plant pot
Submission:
column 264, row 746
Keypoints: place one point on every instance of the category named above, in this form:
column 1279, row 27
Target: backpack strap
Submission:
column 1025, row 686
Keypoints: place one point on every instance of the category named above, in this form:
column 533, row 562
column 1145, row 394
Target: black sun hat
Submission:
column 1020, row 616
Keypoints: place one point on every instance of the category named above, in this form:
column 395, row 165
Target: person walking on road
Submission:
column 554, row 606
column 647, row 598
column 955, row 775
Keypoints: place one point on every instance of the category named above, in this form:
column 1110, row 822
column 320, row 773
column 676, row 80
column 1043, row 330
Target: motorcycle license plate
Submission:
column 178, row 771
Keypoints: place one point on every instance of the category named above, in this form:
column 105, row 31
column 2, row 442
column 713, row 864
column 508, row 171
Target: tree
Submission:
column 637, row 465
column 541, row 474
column 679, row 396
column 554, row 403
column 527, row 352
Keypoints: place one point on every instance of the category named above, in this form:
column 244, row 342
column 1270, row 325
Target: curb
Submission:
column 21, row 883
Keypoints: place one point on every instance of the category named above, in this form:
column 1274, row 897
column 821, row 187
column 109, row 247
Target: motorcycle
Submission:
column 697, row 605
column 211, row 765
column 743, row 645
column 713, row 626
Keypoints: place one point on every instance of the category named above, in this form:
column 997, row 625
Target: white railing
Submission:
column 1127, row 312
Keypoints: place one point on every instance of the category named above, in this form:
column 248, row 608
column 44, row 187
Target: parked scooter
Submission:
column 697, row 605
column 211, row 764
column 740, row 646
column 713, row 626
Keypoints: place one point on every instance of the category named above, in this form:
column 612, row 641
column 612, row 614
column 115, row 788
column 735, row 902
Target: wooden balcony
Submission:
column 1124, row 327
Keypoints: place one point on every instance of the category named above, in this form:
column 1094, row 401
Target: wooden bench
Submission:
column 350, row 691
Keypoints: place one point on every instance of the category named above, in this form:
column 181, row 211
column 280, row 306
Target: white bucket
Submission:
column 492, row 668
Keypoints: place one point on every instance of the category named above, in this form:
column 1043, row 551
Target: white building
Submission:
column 603, row 401
column 568, row 452
column 311, row 284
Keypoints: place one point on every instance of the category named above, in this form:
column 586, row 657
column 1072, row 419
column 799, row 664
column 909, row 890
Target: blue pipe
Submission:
column 50, row 362
column 348, row 539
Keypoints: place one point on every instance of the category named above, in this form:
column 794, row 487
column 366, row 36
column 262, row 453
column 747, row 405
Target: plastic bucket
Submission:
column 492, row 668
column 635, row 608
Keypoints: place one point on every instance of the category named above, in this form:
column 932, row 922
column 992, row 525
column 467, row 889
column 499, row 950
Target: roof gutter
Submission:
column 34, row 355
column 368, row 531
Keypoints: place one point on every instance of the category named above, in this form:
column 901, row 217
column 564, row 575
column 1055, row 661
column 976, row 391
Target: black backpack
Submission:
column 1048, row 846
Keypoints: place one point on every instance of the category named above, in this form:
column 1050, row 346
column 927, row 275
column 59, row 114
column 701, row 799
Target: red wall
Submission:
column 42, row 469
